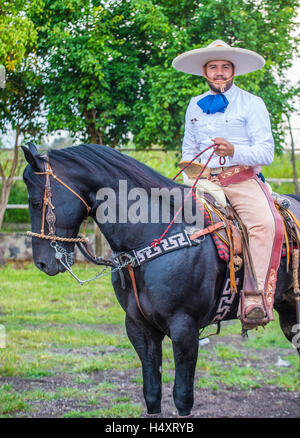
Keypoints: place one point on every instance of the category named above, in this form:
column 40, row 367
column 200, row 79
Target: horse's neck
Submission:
column 127, row 232
column 130, row 223
column 123, row 213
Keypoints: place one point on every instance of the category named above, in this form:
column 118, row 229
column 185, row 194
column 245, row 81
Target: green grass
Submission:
column 46, row 317
column 11, row 401
column 55, row 327
column 282, row 168
column 122, row 410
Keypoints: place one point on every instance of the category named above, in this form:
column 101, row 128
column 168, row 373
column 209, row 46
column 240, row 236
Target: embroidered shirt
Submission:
column 245, row 123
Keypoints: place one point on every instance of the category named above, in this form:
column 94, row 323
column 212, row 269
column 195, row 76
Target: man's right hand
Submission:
column 225, row 149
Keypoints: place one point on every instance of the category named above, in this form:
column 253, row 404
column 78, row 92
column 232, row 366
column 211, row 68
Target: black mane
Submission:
column 120, row 166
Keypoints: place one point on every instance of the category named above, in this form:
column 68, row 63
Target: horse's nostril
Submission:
column 41, row 266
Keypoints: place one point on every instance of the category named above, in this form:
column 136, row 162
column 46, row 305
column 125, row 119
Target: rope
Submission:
column 50, row 172
column 60, row 239
column 191, row 192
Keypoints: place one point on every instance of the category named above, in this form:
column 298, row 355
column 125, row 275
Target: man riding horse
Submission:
column 238, row 123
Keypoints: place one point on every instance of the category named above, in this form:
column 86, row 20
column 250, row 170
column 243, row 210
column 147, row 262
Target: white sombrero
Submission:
column 193, row 61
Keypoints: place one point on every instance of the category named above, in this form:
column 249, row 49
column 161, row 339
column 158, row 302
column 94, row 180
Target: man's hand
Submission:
column 225, row 149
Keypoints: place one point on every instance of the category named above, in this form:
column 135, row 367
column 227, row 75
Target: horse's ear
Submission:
column 32, row 148
column 32, row 156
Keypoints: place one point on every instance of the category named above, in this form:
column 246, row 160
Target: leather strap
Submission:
column 208, row 230
column 131, row 273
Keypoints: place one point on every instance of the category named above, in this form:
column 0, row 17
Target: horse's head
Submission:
column 56, row 210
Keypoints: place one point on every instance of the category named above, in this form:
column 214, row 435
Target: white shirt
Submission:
column 245, row 123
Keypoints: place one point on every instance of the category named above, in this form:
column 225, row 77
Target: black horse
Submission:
column 178, row 291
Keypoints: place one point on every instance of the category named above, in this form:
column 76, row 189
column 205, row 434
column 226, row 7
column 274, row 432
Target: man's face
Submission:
column 219, row 71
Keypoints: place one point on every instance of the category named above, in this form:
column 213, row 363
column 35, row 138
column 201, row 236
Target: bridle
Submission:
column 61, row 254
column 48, row 214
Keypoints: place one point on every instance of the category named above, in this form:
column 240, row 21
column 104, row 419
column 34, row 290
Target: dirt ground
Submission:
column 267, row 401
column 263, row 402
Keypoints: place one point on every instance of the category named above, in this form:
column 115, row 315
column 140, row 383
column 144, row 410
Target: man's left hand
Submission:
column 225, row 149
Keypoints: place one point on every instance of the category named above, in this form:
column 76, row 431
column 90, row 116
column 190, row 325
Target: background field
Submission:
column 67, row 355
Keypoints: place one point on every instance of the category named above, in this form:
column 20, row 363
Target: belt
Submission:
column 217, row 170
column 232, row 174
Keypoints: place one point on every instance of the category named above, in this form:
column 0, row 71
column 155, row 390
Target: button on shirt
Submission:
column 245, row 123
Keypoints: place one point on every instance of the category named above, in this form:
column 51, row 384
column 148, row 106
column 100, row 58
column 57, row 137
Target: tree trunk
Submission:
column 5, row 191
column 94, row 133
column 7, row 181
column 293, row 158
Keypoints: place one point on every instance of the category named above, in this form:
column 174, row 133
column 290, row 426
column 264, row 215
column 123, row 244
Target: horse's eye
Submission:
column 36, row 204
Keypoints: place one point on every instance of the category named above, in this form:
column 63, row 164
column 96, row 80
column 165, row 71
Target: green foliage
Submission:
column 18, row 195
column 107, row 66
column 20, row 99
column 16, row 32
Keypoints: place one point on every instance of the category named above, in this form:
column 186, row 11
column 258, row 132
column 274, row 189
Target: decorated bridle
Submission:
column 61, row 254
column 48, row 214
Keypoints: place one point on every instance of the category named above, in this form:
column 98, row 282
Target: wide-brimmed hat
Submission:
column 193, row 61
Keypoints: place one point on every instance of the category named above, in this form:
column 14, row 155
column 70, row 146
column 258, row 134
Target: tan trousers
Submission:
column 254, row 205
column 251, row 204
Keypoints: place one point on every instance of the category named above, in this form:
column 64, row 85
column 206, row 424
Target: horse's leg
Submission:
column 148, row 344
column 285, row 304
column 185, row 340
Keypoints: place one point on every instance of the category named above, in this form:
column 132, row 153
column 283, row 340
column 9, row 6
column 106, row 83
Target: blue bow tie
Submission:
column 213, row 103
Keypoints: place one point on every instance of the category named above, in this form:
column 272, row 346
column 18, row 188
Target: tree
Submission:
column 107, row 65
column 16, row 32
column 20, row 101
column 291, row 93
column 265, row 26
column 93, row 53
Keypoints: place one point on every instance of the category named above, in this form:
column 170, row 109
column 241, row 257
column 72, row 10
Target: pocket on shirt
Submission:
column 231, row 126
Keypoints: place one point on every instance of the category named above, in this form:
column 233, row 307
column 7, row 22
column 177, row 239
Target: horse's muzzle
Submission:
column 50, row 269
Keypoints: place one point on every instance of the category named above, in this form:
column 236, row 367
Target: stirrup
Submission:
column 260, row 315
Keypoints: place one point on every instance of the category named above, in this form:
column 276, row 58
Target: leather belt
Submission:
column 231, row 174
column 216, row 170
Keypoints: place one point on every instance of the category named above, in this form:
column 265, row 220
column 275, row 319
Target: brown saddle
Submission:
column 288, row 207
column 235, row 234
